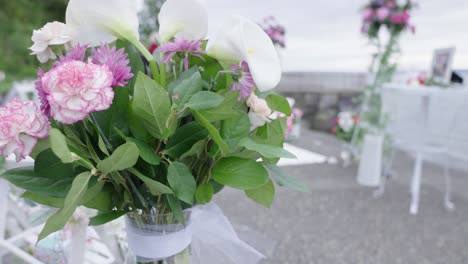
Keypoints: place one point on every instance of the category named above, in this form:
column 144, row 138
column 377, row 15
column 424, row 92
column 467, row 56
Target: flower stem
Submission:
column 162, row 76
column 149, row 57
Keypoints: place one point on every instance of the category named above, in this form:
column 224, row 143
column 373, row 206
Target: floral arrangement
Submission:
column 124, row 138
column 293, row 122
column 392, row 14
column 344, row 125
column 395, row 16
column 275, row 31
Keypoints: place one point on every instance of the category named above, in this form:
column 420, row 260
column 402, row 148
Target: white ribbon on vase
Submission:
column 209, row 233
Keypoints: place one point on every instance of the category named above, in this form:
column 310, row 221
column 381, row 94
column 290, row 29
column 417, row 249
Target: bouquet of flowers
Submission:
column 392, row 14
column 124, row 138
column 275, row 31
column 344, row 125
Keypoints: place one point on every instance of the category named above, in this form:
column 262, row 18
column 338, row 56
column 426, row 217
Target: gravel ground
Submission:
column 339, row 221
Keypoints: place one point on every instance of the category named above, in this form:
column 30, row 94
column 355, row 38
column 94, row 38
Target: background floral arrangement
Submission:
column 392, row 14
column 121, row 137
column 395, row 17
column 344, row 125
column 275, row 31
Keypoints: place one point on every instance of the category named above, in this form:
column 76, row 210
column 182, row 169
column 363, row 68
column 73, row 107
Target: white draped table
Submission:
column 430, row 122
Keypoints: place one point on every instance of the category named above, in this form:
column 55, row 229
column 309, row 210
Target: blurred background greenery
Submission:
column 18, row 18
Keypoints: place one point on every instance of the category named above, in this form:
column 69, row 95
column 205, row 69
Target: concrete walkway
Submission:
column 339, row 221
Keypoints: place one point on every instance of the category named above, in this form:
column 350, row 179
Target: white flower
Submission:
column 187, row 19
column 54, row 33
column 259, row 113
column 346, row 121
column 103, row 21
column 240, row 39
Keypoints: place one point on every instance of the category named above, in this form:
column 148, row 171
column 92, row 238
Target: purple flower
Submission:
column 45, row 106
column 242, row 80
column 116, row 60
column 76, row 53
column 184, row 47
column 382, row 13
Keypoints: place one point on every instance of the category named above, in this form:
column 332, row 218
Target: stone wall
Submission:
column 321, row 95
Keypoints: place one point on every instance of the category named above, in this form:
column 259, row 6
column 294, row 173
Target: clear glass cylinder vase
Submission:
column 158, row 239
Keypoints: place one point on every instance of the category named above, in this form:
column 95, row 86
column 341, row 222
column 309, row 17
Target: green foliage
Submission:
column 18, row 19
column 151, row 105
column 279, row 103
column 124, row 157
column 263, row 195
column 182, row 182
column 244, row 174
column 204, row 193
column 73, row 200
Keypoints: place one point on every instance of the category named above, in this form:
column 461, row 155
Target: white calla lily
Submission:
column 103, row 21
column 186, row 19
column 240, row 39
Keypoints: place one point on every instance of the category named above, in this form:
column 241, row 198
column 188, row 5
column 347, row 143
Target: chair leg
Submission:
column 448, row 189
column 416, row 184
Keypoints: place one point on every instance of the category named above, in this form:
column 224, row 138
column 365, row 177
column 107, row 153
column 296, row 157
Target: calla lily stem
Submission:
column 154, row 68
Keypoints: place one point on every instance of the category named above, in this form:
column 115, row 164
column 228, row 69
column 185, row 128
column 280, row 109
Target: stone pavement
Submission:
column 339, row 221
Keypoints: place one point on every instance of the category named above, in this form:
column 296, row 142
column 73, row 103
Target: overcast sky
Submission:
column 324, row 35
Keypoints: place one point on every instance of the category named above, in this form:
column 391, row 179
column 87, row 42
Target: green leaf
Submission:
column 156, row 188
column 104, row 218
column 271, row 133
column 263, row 195
column 244, row 174
column 184, row 138
column 146, row 153
column 41, row 145
column 204, row 193
column 268, row 151
column 205, row 100
column 182, row 182
column 212, row 131
column 235, row 128
column 223, row 111
column 176, row 208
column 102, row 145
column 115, row 116
column 58, row 143
column 25, row 178
column 101, row 202
column 187, row 85
column 151, row 105
column 47, row 165
column 278, row 103
column 44, row 200
column 124, row 157
column 284, row 180
column 196, row 150
column 73, row 199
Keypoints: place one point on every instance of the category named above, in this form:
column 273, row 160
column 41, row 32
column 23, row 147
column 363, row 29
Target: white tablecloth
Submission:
column 420, row 116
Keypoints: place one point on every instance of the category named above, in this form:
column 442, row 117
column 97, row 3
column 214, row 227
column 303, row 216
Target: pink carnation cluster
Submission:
column 22, row 124
column 274, row 30
column 386, row 12
column 74, row 89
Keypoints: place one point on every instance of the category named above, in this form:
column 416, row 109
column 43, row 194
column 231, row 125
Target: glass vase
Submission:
column 158, row 239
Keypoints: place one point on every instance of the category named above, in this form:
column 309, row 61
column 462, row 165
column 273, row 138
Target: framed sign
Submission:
column 441, row 69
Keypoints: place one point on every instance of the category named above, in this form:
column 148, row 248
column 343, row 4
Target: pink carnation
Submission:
column 75, row 88
column 20, row 126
